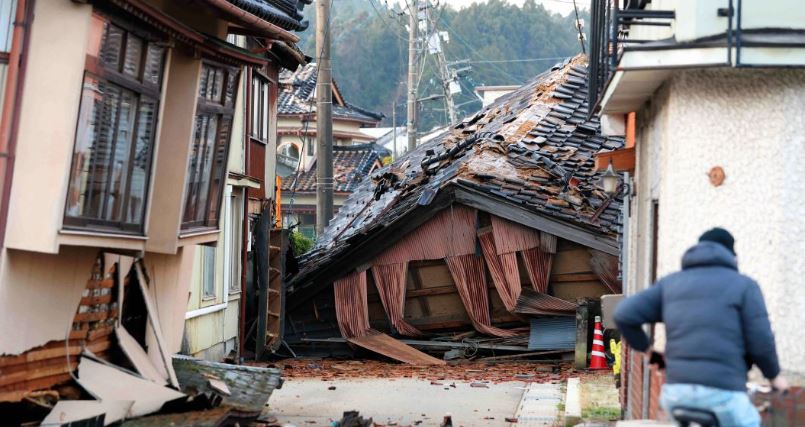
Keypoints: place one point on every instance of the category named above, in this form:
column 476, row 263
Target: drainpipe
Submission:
column 9, row 121
column 244, row 255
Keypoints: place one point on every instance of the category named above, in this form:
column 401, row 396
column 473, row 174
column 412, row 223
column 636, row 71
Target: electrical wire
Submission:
column 578, row 27
column 475, row 52
column 379, row 14
column 503, row 61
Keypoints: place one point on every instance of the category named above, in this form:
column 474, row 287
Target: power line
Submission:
column 578, row 27
column 473, row 50
column 504, row 61
column 377, row 11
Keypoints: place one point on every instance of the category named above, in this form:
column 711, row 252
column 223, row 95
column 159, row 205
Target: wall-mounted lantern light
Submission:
column 610, row 180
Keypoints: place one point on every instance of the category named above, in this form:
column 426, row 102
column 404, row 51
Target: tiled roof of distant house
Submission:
column 351, row 164
column 531, row 151
column 296, row 97
column 283, row 13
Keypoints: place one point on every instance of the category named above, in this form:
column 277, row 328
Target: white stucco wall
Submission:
column 752, row 124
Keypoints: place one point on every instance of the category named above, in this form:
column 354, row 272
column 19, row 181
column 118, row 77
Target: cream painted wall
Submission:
column 751, row 123
column 39, row 295
column 170, row 163
column 47, row 124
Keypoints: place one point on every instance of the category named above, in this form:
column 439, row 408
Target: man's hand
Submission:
column 779, row 384
column 655, row 358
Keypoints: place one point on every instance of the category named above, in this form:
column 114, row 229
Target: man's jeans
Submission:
column 733, row 408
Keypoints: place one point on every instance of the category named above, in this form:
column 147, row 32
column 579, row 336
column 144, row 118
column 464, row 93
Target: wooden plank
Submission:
column 95, row 316
column 574, row 277
column 96, row 300
column 33, row 370
column 53, row 350
column 512, row 212
column 98, row 284
column 389, row 347
column 17, row 392
column 423, row 302
column 100, row 333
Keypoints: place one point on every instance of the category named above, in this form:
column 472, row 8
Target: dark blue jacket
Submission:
column 716, row 322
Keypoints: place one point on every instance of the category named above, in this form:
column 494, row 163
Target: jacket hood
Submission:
column 707, row 254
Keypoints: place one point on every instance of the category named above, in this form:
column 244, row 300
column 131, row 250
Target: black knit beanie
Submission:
column 721, row 236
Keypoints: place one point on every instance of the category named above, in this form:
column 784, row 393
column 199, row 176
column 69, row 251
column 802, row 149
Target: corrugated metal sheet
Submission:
column 533, row 302
column 449, row 233
column 552, row 333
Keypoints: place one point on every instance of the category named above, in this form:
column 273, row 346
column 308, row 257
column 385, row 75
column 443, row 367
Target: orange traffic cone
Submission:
column 598, row 358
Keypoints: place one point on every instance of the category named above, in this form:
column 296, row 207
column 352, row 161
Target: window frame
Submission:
column 207, row 267
column 260, row 108
column 224, row 112
column 94, row 69
column 234, row 230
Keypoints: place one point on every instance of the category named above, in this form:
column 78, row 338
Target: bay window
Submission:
column 114, row 141
column 206, row 173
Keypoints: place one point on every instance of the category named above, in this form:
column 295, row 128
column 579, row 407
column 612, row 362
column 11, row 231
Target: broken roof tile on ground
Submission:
column 533, row 149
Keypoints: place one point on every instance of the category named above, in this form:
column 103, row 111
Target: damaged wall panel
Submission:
column 170, row 286
column 39, row 294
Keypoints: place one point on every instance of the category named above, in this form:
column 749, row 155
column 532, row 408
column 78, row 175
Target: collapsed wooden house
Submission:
column 499, row 220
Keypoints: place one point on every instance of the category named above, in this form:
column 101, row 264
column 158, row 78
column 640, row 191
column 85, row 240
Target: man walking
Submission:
column 716, row 327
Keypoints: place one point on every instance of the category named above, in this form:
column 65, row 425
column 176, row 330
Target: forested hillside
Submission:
column 505, row 45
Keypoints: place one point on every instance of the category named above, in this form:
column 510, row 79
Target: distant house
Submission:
column 497, row 218
column 713, row 111
column 351, row 164
column 296, row 146
column 489, row 94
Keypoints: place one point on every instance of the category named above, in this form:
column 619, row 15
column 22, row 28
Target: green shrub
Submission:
column 300, row 243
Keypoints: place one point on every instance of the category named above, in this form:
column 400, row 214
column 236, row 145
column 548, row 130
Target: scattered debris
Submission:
column 516, row 370
column 353, row 419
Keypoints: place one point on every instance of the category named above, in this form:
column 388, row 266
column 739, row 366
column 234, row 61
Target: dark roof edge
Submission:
column 535, row 220
column 373, row 114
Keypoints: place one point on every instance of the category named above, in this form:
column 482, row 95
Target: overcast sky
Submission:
column 559, row 6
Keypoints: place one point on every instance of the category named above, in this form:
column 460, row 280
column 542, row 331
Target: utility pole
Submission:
column 447, row 80
column 413, row 24
column 324, row 119
column 394, row 128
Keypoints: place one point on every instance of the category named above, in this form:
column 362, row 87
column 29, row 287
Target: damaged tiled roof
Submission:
column 533, row 148
column 296, row 97
column 351, row 164
column 283, row 13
